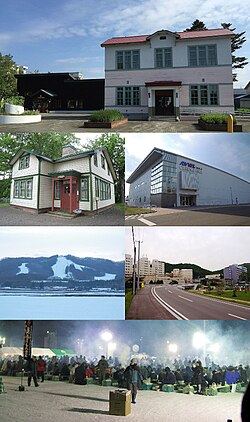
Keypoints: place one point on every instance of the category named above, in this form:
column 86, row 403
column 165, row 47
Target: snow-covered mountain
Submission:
column 59, row 267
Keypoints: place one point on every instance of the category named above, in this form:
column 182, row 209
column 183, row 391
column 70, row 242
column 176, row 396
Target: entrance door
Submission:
column 164, row 103
column 187, row 200
column 66, row 194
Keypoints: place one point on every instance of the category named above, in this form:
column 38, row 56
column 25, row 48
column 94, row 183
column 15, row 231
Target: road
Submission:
column 169, row 302
column 230, row 215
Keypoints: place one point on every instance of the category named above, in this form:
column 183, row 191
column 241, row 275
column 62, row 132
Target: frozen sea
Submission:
column 47, row 308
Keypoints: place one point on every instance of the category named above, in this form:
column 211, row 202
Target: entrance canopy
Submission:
column 163, row 83
column 61, row 174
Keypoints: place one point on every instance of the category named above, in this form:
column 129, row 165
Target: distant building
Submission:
column 233, row 272
column 146, row 267
column 183, row 275
column 128, row 265
column 213, row 277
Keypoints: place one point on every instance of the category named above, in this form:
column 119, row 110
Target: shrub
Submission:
column 15, row 100
column 106, row 116
column 216, row 118
column 30, row 112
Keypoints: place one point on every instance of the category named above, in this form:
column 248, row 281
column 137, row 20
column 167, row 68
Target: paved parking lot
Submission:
column 74, row 123
column 17, row 217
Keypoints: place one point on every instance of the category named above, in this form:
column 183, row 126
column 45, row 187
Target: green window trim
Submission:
column 24, row 162
column 202, row 55
column 102, row 189
column 204, row 95
column 84, row 189
column 23, row 189
column 128, row 96
column 163, row 57
column 127, row 59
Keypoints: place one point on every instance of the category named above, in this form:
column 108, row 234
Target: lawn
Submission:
column 4, row 204
column 135, row 210
column 128, row 299
column 228, row 295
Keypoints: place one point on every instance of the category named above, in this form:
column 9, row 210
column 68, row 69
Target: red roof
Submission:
column 220, row 32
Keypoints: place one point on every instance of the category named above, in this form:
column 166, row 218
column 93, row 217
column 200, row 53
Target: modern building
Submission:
column 60, row 91
column 166, row 179
column 128, row 265
column 183, row 275
column 76, row 182
column 233, row 272
column 169, row 73
column 146, row 267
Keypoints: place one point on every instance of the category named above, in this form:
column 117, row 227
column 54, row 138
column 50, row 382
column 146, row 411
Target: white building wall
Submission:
column 30, row 171
column 215, row 186
column 81, row 165
column 17, row 173
column 29, row 203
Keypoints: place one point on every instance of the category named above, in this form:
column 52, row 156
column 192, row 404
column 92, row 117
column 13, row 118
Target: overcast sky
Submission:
column 210, row 247
column 224, row 151
column 64, row 36
column 101, row 242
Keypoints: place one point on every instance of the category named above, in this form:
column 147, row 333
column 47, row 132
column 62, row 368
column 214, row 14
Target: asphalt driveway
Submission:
column 17, row 217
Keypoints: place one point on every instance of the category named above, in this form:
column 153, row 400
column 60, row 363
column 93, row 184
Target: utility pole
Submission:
column 138, row 265
column 134, row 263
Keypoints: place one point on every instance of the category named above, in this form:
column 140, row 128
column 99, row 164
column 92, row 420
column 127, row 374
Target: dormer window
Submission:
column 24, row 162
column 103, row 162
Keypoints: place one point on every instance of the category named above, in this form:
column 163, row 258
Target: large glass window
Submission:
column 128, row 59
column 204, row 95
column 85, row 189
column 163, row 57
column 164, row 176
column 23, row 188
column 102, row 189
column 128, row 95
column 202, row 55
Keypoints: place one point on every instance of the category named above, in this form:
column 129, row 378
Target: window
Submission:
column 163, row 57
column 103, row 162
column 24, row 162
column 128, row 95
column 85, row 189
column 57, row 189
column 95, row 160
column 23, row 189
column 102, row 189
column 128, row 59
column 204, row 95
column 202, row 55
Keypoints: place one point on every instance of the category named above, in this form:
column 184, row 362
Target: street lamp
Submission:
column 107, row 337
column 173, row 347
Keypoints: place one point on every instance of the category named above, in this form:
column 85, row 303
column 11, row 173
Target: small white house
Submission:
column 169, row 73
column 82, row 181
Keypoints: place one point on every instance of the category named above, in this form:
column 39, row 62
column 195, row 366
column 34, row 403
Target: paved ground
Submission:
column 169, row 302
column 230, row 215
column 74, row 123
column 17, row 217
column 62, row 402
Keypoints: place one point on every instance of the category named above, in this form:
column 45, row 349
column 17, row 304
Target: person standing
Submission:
column 102, row 366
column 133, row 378
column 41, row 366
column 32, row 371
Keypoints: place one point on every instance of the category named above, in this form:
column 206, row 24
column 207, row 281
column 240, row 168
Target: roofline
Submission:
column 161, row 151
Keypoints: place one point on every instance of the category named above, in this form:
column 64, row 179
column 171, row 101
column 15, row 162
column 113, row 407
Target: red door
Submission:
column 69, row 195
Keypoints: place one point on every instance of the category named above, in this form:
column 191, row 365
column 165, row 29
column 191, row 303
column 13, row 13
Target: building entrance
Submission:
column 164, row 103
column 187, row 200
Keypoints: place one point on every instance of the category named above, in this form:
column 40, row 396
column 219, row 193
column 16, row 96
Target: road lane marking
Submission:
column 147, row 222
column 236, row 316
column 237, row 305
column 189, row 300
column 165, row 305
column 169, row 291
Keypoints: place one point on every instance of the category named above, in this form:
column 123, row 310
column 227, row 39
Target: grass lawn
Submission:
column 128, row 299
column 228, row 294
column 135, row 210
column 4, row 204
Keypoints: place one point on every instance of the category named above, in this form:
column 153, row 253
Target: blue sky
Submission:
column 57, row 36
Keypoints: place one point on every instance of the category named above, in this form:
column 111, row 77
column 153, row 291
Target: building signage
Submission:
column 185, row 165
column 27, row 346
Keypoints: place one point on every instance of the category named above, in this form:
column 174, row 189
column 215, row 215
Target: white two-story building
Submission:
column 78, row 181
column 169, row 73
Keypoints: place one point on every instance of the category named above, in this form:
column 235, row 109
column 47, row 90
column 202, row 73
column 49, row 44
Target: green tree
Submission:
column 238, row 40
column 8, row 82
column 48, row 144
column 115, row 146
column 196, row 26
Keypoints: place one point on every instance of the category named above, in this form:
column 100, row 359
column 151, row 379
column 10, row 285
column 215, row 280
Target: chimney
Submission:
column 68, row 150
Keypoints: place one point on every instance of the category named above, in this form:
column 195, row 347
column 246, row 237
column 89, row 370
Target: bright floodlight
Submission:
column 173, row 347
column 199, row 340
column 106, row 335
column 112, row 347
column 135, row 348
